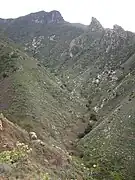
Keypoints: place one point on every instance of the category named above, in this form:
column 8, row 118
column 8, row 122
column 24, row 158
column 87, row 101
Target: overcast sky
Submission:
column 108, row 12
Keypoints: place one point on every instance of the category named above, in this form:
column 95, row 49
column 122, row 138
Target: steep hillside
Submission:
column 103, row 72
column 76, row 91
column 36, row 101
column 101, row 69
column 23, row 156
column 32, row 96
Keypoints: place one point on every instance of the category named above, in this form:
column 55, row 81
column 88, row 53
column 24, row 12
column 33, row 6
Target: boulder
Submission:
column 33, row 136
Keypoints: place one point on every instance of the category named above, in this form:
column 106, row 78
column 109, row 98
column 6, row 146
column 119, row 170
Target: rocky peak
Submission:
column 120, row 31
column 55, row 17
column 46, row 17
column 95, row 25
column 118, row 28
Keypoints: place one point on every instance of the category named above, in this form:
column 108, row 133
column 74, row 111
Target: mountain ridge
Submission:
column 39, row 17
column 74, row 86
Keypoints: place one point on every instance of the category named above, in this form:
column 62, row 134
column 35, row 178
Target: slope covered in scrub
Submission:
column 74, row 86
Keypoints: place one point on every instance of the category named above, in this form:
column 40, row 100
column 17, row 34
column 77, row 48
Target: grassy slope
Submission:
column 31, row 91
column 33, row 99
column 44, row 161
column 110, row 145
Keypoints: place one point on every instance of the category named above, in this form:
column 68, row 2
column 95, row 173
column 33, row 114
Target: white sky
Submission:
column 108, row 12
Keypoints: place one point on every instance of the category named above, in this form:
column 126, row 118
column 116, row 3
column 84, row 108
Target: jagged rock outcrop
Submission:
column 121, row 32
column 111, row 44
column 82, row 42
column 95, row 25
column 55, row 17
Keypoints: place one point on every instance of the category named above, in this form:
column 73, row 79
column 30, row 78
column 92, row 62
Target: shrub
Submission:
column 5, row 75
column 14, row 55
column 44, row 176
column 93, row 117
column 88, row 129
column 19, row 152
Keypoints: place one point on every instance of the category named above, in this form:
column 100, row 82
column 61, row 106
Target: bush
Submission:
column 88, row 129
column 45, row 176
column 19, row 152
column 93, row 117
column 4, row 75
column 14, row 55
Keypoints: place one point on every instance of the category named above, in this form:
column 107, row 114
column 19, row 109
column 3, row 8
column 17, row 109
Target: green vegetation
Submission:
column 20, row 152
column 44, row 176
column 74, row 86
